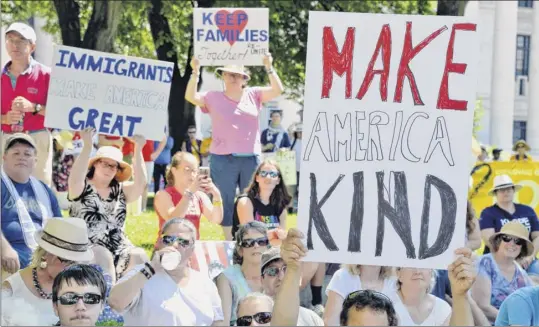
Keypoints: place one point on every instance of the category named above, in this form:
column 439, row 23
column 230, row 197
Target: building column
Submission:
column 532, row 127
column 502, row 92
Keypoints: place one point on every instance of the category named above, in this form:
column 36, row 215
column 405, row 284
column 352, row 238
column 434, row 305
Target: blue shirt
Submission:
column 442, row 287
column 266, row 137
column 11, row 227
column 165, row 156
column 520, row 308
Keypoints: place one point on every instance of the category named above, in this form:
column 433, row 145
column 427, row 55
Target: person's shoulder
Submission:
column 489, row 211
column 524, row 208
column 308, row 317
column 41, row 69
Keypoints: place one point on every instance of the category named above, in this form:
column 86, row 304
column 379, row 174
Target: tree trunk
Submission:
column 448, row 8
column 180, row 112
column 103, row 26
column 68, row 17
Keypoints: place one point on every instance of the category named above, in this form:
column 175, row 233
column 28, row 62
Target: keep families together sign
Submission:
column 387, row 127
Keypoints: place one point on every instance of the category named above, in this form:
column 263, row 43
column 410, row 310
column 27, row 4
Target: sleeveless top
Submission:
column 239, row 288
column 265, row 213
column 193, row 212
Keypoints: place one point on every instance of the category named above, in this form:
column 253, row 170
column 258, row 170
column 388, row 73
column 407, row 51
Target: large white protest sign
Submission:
column 118, row 95
column 387, row 127
column 231, row 36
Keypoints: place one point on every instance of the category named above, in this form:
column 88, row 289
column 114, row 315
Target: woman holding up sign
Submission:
column 235, row 148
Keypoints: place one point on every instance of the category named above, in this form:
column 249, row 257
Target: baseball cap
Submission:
column 270, row 255
column 26, row 31
column 19, row 137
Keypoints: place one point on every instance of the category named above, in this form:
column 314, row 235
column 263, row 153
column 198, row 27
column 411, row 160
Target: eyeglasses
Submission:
column 110, row 166
column 191, row 132
column 170, row 240
column 373, row 294
column 249, row 243
column 261, row 318
column 72, row 298
column 516, row 240
column 274, row 271
column 266, row 173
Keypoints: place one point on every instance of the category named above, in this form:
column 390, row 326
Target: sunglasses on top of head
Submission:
column 249, row 243
column 270, row 173
column 261, row 318
column 170, row 240
column 516, row 240
column 71, row 298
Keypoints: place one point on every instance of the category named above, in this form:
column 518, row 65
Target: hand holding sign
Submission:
column 268, row 61
column 195, row 65
column 462, row 272
column 293, row 250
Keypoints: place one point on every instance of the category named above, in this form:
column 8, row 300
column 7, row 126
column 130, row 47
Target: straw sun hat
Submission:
column 66, row 238
column 503, row 181
column 113, row 153
column 516, row 229
column 521, row 144
column 234, row 69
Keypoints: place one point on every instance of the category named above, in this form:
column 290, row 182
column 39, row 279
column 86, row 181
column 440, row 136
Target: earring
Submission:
column 43, row 264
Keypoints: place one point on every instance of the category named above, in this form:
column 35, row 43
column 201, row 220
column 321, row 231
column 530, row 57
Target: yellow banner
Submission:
column 522, row 173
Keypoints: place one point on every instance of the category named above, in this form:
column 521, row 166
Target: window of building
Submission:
column 519, row 131
column 525, row 3
column 523, row 55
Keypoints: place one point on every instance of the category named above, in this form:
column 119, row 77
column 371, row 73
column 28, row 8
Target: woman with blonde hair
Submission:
column 351, row 278
column 186, row 194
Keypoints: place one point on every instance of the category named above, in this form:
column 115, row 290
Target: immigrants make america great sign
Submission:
column 387, row 128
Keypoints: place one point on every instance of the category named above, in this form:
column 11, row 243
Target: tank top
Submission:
column 265, row 213
column 193, row 213
column 239, row 288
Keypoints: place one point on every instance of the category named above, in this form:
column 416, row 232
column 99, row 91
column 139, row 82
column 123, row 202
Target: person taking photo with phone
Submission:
column 186, row 194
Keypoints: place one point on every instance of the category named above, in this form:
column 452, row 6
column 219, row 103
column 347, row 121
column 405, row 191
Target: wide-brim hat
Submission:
column 234, row 69
column 520, row 144
column 113, row 153
column 503, row 181
column 64, row 139
column 66, row 238
column 516, row 229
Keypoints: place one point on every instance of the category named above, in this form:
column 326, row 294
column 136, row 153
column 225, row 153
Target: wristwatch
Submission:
column 37, row 109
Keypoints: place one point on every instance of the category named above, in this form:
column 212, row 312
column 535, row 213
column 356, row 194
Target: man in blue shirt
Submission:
column 521, row 308
column 274, row 137
column 505, row 210
column 164, row 156
column 26, row 202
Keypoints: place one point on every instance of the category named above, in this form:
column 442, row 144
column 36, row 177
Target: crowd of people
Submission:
column 84, row 269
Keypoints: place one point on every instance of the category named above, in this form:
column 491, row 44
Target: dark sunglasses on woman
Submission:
column 260, row 318
column 170, row 240
column 270, row 173
column 516, row 240
column 249, row 243
column 72, row 298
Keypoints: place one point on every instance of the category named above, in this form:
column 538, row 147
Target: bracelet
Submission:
column 146, row 273
column 147, row 264
column 189, row 194
column 218, row 203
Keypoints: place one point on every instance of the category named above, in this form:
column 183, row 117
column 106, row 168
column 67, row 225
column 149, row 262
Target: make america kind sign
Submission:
column 115, row 94
column 231, row 36
column 388, row 122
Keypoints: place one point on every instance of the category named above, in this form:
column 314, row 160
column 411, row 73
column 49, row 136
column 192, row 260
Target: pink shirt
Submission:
column 235, row 125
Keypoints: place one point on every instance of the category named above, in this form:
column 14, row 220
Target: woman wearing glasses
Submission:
column 165, row 291
column 99, row 193
column 499, row 274
column 244, row 276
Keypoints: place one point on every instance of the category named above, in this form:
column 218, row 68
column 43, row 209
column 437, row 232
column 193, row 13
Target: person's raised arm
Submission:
column 167, row 210
column 225, row 292
column 276, row 86
column 333, row 309
column 159, row 149
column 286, row 308
column 77, row 176
column 212, row 211
column 461, row 277
column 191, row 93
column 134, row 190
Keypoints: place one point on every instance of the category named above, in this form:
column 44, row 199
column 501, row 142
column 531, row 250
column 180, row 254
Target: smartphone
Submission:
column 204, row 171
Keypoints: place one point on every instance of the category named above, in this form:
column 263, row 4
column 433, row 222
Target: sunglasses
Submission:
column 516, row 240
column 260, row 318
column 170, row 240
column 266, row 173
column 274, row 271
column 249, row 243
column 72, row 298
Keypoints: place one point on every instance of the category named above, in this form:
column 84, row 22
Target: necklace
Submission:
column 46, row 296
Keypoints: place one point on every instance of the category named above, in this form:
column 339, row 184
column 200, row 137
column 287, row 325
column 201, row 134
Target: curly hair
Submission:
column 237, row 258
column 280, row 198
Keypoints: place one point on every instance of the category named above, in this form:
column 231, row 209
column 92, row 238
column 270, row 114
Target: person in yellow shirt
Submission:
column 192, row 144
column 205, row 149
column 521, row 148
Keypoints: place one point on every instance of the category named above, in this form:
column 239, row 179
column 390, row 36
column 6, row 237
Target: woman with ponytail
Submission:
column 186, row 194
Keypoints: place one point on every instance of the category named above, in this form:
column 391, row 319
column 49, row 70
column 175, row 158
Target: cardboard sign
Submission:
column 117, row 95
column 387, row 127
column 287, row 164
column 525, row 174
column 231, row 36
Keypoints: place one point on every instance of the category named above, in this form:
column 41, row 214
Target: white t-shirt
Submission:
column 344, row 283
column 308, row 317
column 439, row 314
column 163, row 303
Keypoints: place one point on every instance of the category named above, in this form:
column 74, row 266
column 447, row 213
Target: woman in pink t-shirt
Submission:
column 235, row 148
column 186, row 194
